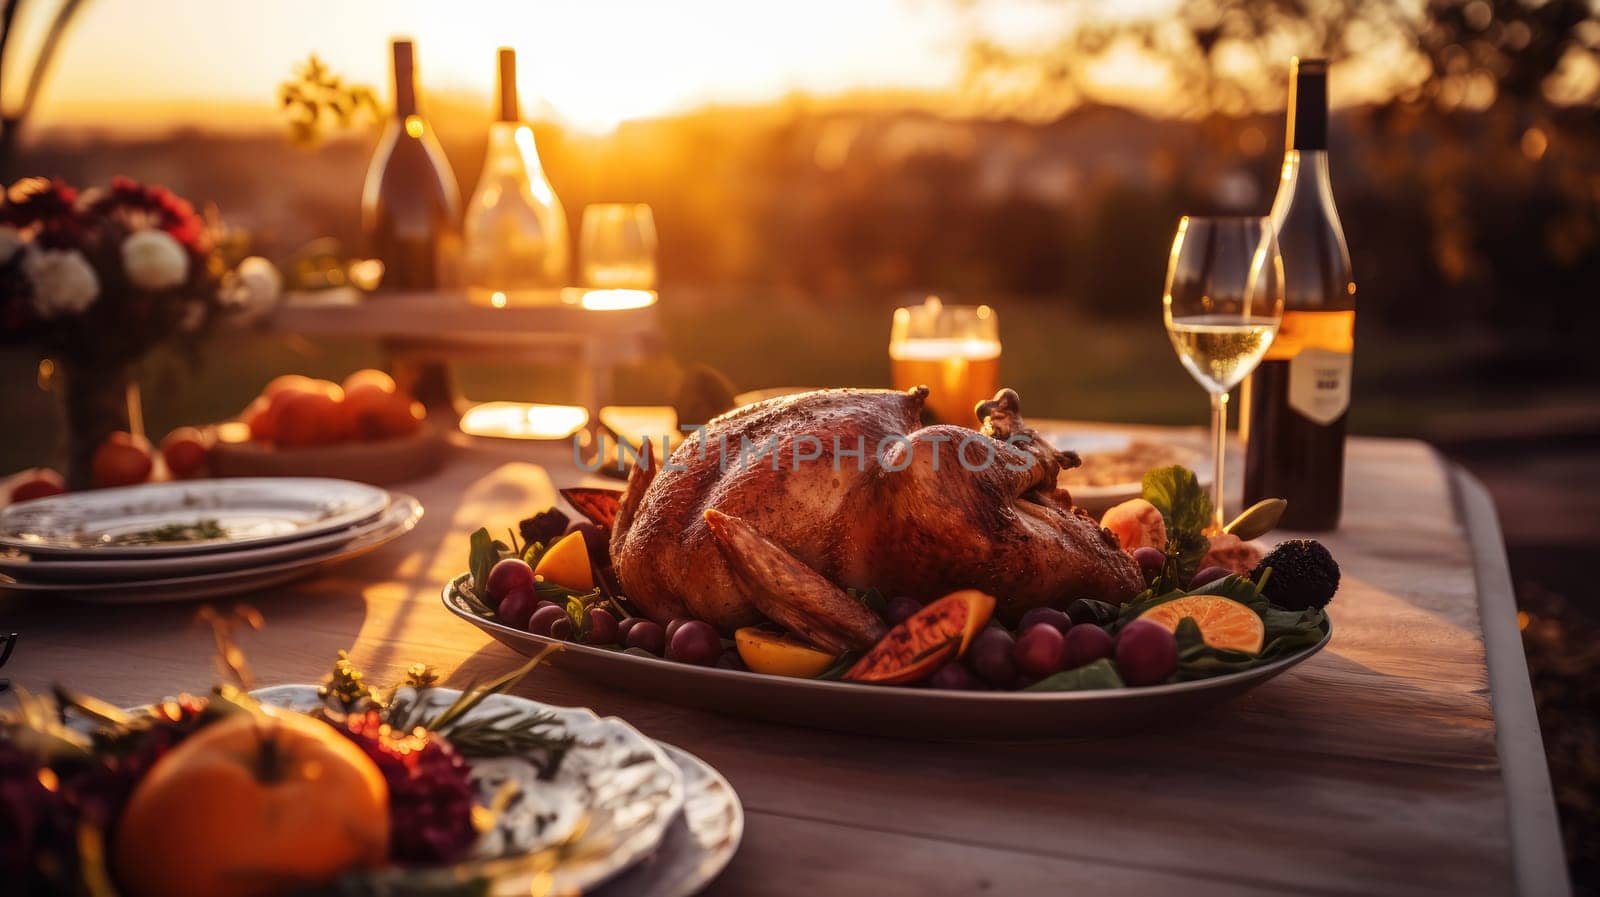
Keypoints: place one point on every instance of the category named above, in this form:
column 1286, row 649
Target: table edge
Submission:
column 1537, row 854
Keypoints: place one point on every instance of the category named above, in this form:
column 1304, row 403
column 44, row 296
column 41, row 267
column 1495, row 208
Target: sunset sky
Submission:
column 152, row 63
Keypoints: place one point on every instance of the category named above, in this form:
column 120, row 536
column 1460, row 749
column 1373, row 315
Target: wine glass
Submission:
column 1222, row 305
column 618, row 246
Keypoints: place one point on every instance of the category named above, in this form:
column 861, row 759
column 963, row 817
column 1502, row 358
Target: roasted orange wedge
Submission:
column 1224, row 623
column 929, row 638
column 775, row 654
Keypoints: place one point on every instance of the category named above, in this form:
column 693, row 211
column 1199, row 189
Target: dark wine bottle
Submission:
column 410, row 206
column 1297, row 400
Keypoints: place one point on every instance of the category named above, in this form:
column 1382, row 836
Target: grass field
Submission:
column 1063, row 364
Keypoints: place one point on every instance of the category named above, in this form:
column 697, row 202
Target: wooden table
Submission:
column 1404, row 759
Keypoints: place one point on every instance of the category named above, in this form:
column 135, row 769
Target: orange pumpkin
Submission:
column 252, row 806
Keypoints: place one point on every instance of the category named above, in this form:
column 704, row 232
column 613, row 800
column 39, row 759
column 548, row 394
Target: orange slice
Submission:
column 1224, row 623
column 780, row 655
column 566, row 563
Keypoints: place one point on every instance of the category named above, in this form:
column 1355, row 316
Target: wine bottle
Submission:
column 410, row 205
column 516, row 245
column 1297, row 400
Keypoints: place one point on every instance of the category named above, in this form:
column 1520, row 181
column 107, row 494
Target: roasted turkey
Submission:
column 775, row 509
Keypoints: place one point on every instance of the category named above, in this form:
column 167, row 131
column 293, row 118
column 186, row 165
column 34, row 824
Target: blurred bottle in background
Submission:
column 516, row 247
column 410, row 205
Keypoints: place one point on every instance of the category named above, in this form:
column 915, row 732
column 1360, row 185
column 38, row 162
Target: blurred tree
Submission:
column 1480, row 113
column 58, row 20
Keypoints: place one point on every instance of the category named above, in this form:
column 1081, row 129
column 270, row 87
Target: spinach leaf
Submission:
column 1091, row 676
column 1176, row 493
column 484, row 555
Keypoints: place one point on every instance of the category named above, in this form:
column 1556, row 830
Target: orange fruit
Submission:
column 567, row 563
column 926, row 640
column 122, row 460
column 186, row 451
column 306, row 418
column 252, row 806
column 776, row 654
column 370, row 377
column 38, row 484
column 372, row 413
column 1224, row 623
column 285, row 382
column 258, row 417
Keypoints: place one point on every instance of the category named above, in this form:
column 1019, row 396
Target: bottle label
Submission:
column 1319, row 384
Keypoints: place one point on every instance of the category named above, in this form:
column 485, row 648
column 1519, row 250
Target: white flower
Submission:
column 10, row 242
column 251, row 290
column 154, row 260
column 63, row 282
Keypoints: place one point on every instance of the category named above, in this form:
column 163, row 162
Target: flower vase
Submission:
column 96, row 401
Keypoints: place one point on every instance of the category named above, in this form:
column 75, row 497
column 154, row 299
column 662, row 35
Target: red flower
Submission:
column 149, row 205
column 49, row 205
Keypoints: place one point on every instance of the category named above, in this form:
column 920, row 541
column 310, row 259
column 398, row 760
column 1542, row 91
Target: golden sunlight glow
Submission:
column 617, row 300
column 521, row 420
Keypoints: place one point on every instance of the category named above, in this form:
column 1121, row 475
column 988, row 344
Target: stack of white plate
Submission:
column 193, row 539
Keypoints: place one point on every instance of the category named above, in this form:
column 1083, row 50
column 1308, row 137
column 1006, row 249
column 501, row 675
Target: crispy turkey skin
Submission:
column 842, row 488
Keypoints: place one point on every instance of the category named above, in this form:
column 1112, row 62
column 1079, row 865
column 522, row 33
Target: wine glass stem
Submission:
column 1219, row 448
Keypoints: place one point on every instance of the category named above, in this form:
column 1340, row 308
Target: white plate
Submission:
column 700, row 843
column 23, row 566
column 398, row 520
column 1088, row 441
column 257, row 511
column 620, row 787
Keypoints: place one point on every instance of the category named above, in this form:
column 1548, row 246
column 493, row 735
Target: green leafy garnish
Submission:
column 1286, row 631
column 1186, row 509
column 1090, row 676
column 872, row 598
column 486, row 552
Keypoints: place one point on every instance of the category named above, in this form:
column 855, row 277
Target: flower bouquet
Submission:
column 99, row 278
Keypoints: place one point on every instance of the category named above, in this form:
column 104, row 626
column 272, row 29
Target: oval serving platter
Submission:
column 617, row 793
column 882, row 710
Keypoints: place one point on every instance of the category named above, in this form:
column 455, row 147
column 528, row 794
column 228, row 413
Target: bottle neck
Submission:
column 508, row 108
column 405, row 81
column 1308, row 107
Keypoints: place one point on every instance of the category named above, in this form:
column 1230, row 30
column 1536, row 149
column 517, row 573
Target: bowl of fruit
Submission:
column 365, row 429
column 954, row 602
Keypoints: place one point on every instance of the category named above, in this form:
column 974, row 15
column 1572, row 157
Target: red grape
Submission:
column 551, row 621
column 900, row 608
column 594, row 540
column 1038, row 651
column 1049, row 615
column 1209, row 575
column 646, row 635
column 516, row 607
column 673, row 624
column 695, row 642
column 991, row 657
column 956, row 677
column 508, row 574
column 1085, row 643
column 1151, row 560
column 602, row 627
column 1146, row 653
column 623, row 627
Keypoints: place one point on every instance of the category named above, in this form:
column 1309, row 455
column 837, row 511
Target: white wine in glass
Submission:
column 1222, row 305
